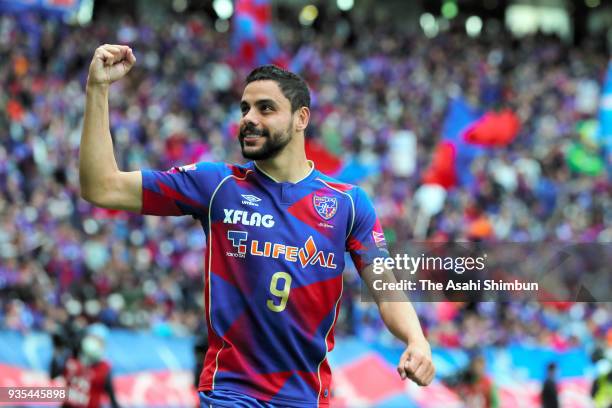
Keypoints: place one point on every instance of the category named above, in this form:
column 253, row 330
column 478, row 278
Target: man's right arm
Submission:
column 102, row 183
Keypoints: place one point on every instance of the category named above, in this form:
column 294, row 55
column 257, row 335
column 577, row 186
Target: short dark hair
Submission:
column 291, row 85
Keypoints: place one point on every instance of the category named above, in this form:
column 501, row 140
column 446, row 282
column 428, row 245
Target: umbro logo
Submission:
column 250, row 199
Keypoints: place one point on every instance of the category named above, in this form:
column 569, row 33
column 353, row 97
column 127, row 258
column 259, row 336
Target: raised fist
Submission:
column 110, row 63
column 416, row 363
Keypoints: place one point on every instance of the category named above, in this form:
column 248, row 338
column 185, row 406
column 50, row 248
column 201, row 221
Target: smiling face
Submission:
column 267, row 122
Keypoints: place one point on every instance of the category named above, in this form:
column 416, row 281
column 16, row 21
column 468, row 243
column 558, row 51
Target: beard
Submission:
column 273, row 143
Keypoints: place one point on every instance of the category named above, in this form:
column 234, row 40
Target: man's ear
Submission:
column 302, row 116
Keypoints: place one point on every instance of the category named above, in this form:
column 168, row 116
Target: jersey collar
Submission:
column 270, row 178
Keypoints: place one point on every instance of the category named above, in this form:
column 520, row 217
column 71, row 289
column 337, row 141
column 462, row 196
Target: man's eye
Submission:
column 266, row 108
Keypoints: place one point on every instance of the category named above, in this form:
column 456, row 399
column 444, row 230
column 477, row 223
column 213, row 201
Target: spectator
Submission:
column 476, row 388
column 550, row 394
column 88, row 377
column 602, row 385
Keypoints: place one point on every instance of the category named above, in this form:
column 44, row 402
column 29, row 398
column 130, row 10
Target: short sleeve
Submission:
column 184, row 190
column 366, row 240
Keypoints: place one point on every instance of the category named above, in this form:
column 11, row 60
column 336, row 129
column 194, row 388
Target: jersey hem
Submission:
column 292, row 403
column 216, row 403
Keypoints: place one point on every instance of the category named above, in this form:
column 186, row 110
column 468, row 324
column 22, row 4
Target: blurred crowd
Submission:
column 63, row 261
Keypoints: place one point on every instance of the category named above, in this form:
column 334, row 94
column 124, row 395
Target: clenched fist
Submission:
column 416, row 364
column 110, row 63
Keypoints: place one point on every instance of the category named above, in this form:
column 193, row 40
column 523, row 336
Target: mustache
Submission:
column 251, row 129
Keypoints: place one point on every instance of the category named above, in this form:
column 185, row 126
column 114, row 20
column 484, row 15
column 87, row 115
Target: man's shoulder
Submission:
column 336, row 184
column 239, row 170
column 207, row 167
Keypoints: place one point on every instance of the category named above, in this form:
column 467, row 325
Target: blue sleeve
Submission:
column 366, row 240
column 184, row 190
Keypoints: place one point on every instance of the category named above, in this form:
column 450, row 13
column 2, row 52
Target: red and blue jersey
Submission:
column 273, row 271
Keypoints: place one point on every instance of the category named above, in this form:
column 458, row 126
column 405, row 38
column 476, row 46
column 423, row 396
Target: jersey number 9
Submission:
column 282, row 294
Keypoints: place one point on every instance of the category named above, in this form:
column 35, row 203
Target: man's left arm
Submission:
column 366, row 242
column 402, row 321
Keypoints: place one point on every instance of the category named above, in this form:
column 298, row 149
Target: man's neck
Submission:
column 286, row 168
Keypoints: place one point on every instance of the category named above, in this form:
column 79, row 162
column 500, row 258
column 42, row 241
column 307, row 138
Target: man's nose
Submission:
column 250, row 118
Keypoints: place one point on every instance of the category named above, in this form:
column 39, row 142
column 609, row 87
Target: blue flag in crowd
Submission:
column 459, row 117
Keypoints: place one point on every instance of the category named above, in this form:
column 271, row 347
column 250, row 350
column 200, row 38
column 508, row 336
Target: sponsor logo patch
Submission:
column 306, row 255
column 188, row 167
column 253, row 219
column 238, row 239
column 379, row 238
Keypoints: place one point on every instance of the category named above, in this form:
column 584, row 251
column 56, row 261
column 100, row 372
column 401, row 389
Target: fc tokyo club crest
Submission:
column 326, row 206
